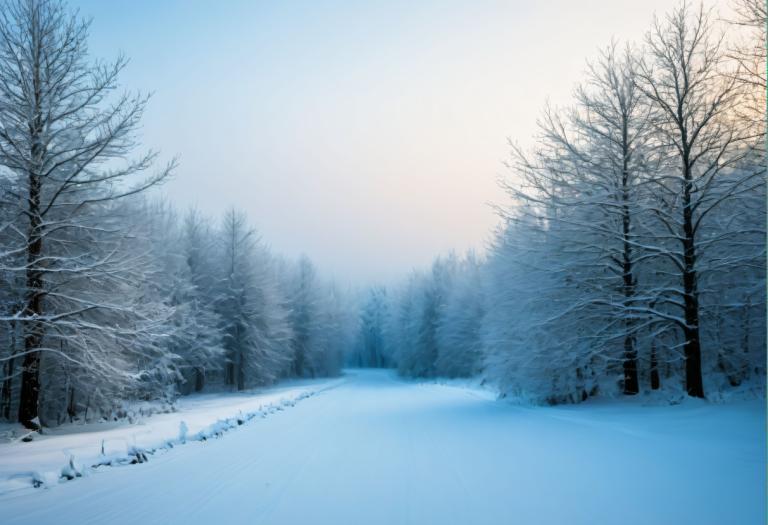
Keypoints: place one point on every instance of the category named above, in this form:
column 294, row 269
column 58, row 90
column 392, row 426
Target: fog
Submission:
column 367, row 135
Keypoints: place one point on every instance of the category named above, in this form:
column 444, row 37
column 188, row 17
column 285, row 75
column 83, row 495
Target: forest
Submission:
column 631, row 252
column 629, row 257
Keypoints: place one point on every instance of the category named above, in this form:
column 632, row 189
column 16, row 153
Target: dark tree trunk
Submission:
column 631, row 381
column 5, row 397
column 298, row 363
column 71, row 405
column 747, row 326
column 694, row 384
column 8, row 370
column 33, row 329
column 230, row 375
column 199, row 379
column 30, row 384
column 655, row 382
column 241, row 373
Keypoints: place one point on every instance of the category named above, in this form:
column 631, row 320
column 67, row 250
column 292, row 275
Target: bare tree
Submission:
column 66, row 145
column 686, row 75
column 614, row 124
column 750, row 52
column 585, row 181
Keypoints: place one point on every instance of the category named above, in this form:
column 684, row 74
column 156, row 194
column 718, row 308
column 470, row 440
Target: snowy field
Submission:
column 197, row 417
column 374, row 449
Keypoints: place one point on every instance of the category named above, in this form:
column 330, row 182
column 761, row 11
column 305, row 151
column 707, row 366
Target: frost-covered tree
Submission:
column 306, row 296
column 332, row 331
column 371, row 351
column 200, row 345
column 696, row 93
column 585, row 183
column 255, row 324
column 401, row 323
column 62, row 139
column 11, row 296
column 183, row 278
column 749, row 53
column 459, row 331
column 420, row 316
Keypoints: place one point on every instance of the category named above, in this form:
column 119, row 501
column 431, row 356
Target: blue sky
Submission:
column 368, row 135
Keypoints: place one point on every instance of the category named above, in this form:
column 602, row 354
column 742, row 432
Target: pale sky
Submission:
column 367, row 134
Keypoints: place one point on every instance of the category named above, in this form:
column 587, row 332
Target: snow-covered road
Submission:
column 379, row 450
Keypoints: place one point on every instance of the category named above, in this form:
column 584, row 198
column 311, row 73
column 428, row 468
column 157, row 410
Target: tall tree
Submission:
column 63, row 140
column 256, row 326
column 587, row 175
column 459, row 341
column 202, row 339
column 304, row 310
column 695, row 90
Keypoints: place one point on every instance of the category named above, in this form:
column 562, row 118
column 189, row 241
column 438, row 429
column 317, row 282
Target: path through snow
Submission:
column 379, row 450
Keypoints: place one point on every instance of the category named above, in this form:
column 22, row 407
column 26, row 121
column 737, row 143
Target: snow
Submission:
column 379, row 450
column 68, row 451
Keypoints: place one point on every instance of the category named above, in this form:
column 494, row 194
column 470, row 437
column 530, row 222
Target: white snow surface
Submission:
column 374, row 449
column 197, row 417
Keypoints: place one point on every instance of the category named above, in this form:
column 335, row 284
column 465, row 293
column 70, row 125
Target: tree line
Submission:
column 631, row 254
column 107, row 295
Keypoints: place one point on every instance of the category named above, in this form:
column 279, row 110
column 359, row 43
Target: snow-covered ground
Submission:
column 69, row 450
column 379, row 450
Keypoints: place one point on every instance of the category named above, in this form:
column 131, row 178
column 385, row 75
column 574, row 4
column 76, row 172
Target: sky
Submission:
column 368, row 135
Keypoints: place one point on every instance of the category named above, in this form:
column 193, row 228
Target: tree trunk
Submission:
column 8, row 369
column 241, row 373
column 5, row 397
column 298, row 363
column 631, row 382
column 33, row 329
column 655, row 382
column 199, row 379
column 30, row 388
column 71, row 406
column 694, row 384
column 229, row 378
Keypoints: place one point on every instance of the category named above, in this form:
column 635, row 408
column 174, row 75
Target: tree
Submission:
column 420, row 317
column 182, row 278
column 587, row 175
column 255, row 324
column 200, row 344
column 750, row 52
column 372, row 351
column 696, row 95
column 304, row 308
column 459, row 338
column 62, row 140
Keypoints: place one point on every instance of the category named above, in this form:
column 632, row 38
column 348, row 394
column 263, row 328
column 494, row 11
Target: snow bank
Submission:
column 73, row 451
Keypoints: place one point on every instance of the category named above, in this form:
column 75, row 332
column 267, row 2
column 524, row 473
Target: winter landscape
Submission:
column 391, row 262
